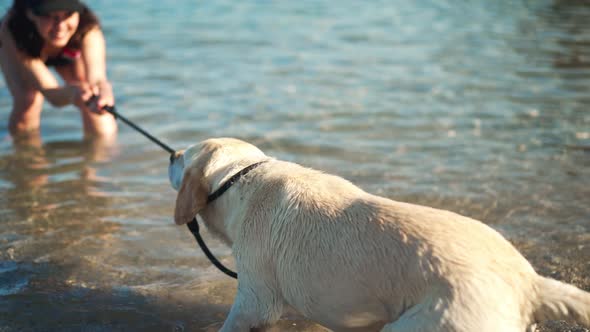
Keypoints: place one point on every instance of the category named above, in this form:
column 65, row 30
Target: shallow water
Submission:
column 474, row 107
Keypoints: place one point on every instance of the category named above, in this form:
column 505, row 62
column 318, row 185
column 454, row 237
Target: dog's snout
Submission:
column 176, row 168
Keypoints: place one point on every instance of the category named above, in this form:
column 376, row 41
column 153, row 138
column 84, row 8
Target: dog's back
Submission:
column 354, row 261
column 348, row 259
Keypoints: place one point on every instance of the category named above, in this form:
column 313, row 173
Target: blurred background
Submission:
column 477, row 107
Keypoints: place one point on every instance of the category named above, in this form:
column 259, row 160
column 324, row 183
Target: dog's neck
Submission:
column 222, row 211
column 236, row 177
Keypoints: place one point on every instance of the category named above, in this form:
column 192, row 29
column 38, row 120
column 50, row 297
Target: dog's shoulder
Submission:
column 290, row 178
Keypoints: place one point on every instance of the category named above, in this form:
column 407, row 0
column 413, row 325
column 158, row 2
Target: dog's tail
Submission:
column 559, row 301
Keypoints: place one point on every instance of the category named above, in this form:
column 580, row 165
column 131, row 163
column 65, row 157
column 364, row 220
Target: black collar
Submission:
column 215, row 195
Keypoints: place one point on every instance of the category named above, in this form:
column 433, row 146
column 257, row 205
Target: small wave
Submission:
column 9, row 282
column 7, row 267
column 13, row 288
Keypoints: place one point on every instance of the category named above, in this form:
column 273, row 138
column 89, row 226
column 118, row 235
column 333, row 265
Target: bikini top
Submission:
column 65, row 57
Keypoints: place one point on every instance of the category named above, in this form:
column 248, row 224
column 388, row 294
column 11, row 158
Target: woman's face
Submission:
column 57, row 27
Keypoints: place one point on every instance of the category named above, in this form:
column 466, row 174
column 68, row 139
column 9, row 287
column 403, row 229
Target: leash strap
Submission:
column 193, row 226
column 113, row 111
column 215, row 195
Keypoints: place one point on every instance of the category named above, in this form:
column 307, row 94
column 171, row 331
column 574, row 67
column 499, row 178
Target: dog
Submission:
column 353, row 261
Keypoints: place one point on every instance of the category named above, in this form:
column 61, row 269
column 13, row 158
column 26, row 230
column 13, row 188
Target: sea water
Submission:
column 477, row 107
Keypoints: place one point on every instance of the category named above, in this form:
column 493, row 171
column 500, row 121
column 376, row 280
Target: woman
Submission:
column 65, row 34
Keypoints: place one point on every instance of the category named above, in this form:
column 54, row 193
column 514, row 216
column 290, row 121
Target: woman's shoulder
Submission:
column 91, row 36
column 88, row 28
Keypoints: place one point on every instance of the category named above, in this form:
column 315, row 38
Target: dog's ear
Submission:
column 192, row 196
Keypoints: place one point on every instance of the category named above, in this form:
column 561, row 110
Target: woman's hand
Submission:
column 105, row 95
column 96, row 98
column 82, row 96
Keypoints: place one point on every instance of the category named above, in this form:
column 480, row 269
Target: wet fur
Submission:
column 353, row 261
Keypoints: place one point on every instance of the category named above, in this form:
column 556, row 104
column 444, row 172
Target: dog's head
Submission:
column 195, row 171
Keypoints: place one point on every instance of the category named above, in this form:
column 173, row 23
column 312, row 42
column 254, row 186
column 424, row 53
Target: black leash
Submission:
column 231, row 181
column 113, row 111
column 193, row 226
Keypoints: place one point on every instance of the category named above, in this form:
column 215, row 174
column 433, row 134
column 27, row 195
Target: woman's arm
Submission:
column 94, row 58
column 59, row 96
column 32, row 73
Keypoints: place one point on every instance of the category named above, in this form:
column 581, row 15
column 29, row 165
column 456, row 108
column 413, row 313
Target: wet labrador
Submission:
column 353, row 261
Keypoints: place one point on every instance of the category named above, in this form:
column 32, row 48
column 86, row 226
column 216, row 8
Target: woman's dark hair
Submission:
column 27, row 38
